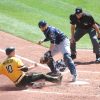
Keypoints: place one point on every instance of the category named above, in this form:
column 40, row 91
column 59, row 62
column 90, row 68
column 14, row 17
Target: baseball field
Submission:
column 19, row 28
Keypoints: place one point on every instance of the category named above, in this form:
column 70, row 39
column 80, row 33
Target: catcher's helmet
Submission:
column 42, row 23
column 9, row 50
column 78, row 10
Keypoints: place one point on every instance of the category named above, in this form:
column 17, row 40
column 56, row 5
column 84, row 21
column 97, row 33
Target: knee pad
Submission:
column 67, row 58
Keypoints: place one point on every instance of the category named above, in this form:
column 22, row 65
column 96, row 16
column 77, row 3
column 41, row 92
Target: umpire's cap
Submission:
column 9, row 50
column 78, row 10
column 42, row 23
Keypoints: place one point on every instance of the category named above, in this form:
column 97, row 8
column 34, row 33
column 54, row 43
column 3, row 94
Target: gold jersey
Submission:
column 11, row 68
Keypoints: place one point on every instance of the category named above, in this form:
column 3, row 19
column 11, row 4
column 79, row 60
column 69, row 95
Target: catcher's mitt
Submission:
column 46, row 58
column 43, row 60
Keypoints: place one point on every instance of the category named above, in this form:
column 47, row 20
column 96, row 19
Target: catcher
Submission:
column 58, row 43
column 18, row 73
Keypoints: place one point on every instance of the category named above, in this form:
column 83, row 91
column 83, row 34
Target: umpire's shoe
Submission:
column 97, row 59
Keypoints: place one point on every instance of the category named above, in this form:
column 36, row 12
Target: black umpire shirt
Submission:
column 85, row 22
column 53, row 35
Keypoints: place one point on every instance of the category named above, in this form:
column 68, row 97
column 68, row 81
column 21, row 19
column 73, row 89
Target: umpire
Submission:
column 82, row 23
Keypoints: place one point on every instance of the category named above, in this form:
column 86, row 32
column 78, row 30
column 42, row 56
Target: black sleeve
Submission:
column 24, row 69
column 46, row 39
column 72, row 19
column 92, row 20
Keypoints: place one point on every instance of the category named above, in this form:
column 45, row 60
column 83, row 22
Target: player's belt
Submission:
column 20, row 78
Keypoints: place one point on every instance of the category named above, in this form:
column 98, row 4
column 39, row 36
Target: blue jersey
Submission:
column 54, row 35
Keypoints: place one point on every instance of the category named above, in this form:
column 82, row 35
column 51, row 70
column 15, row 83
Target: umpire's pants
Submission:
column 80, row 33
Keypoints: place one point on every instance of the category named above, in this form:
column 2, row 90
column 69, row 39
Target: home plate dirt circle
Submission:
column 80, row 83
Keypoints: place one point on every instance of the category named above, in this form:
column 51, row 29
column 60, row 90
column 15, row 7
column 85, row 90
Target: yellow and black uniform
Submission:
column 11, row 68
column 15, row 70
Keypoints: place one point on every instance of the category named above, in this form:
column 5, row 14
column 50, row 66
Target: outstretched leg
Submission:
column 33, row 77
column 69, row 62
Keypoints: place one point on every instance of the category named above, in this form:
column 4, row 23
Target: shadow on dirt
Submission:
column 10, row 88
column 85, row 63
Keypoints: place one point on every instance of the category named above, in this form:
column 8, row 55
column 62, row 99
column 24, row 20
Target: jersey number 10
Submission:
column 9, row 68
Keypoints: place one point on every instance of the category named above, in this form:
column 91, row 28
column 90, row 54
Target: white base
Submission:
column 80, row 83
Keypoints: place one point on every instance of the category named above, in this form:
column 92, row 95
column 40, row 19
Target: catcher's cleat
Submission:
column 73, row 56
column 74, row 78
column 54, row 74
column 38, row 84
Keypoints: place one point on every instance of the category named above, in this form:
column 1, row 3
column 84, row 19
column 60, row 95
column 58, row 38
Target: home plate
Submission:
column 80, row 83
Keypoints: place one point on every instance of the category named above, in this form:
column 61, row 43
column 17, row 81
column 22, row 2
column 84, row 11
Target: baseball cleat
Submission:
column 97, row 60
column 58, row 79
column 74, row 78
column 38, row 84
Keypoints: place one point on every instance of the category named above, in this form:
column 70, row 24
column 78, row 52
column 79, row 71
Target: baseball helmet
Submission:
column 78, row 10
column 9, row 50
column 42, row 23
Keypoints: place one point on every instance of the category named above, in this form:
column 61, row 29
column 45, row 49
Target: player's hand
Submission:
column 33, row 66
column 40, row 42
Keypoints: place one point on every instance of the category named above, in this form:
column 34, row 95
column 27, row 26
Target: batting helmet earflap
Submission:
column 42, row 23
column 9, row 50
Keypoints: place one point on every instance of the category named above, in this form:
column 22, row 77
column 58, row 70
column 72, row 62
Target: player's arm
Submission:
column 95, row 26
column 23, row 68
column 0, row 69
column 72, row 27
column 21, row 65
column 32, row 66
column 97, row 29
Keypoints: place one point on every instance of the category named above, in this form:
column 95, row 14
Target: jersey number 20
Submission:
column 9, row 68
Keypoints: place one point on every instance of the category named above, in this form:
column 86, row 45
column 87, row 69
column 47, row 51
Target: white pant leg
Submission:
column 64, row 46
column 55, row 50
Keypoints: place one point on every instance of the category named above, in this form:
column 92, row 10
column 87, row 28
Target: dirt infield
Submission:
column 86, row 88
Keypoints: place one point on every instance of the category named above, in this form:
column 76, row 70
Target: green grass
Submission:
column 20, row 17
